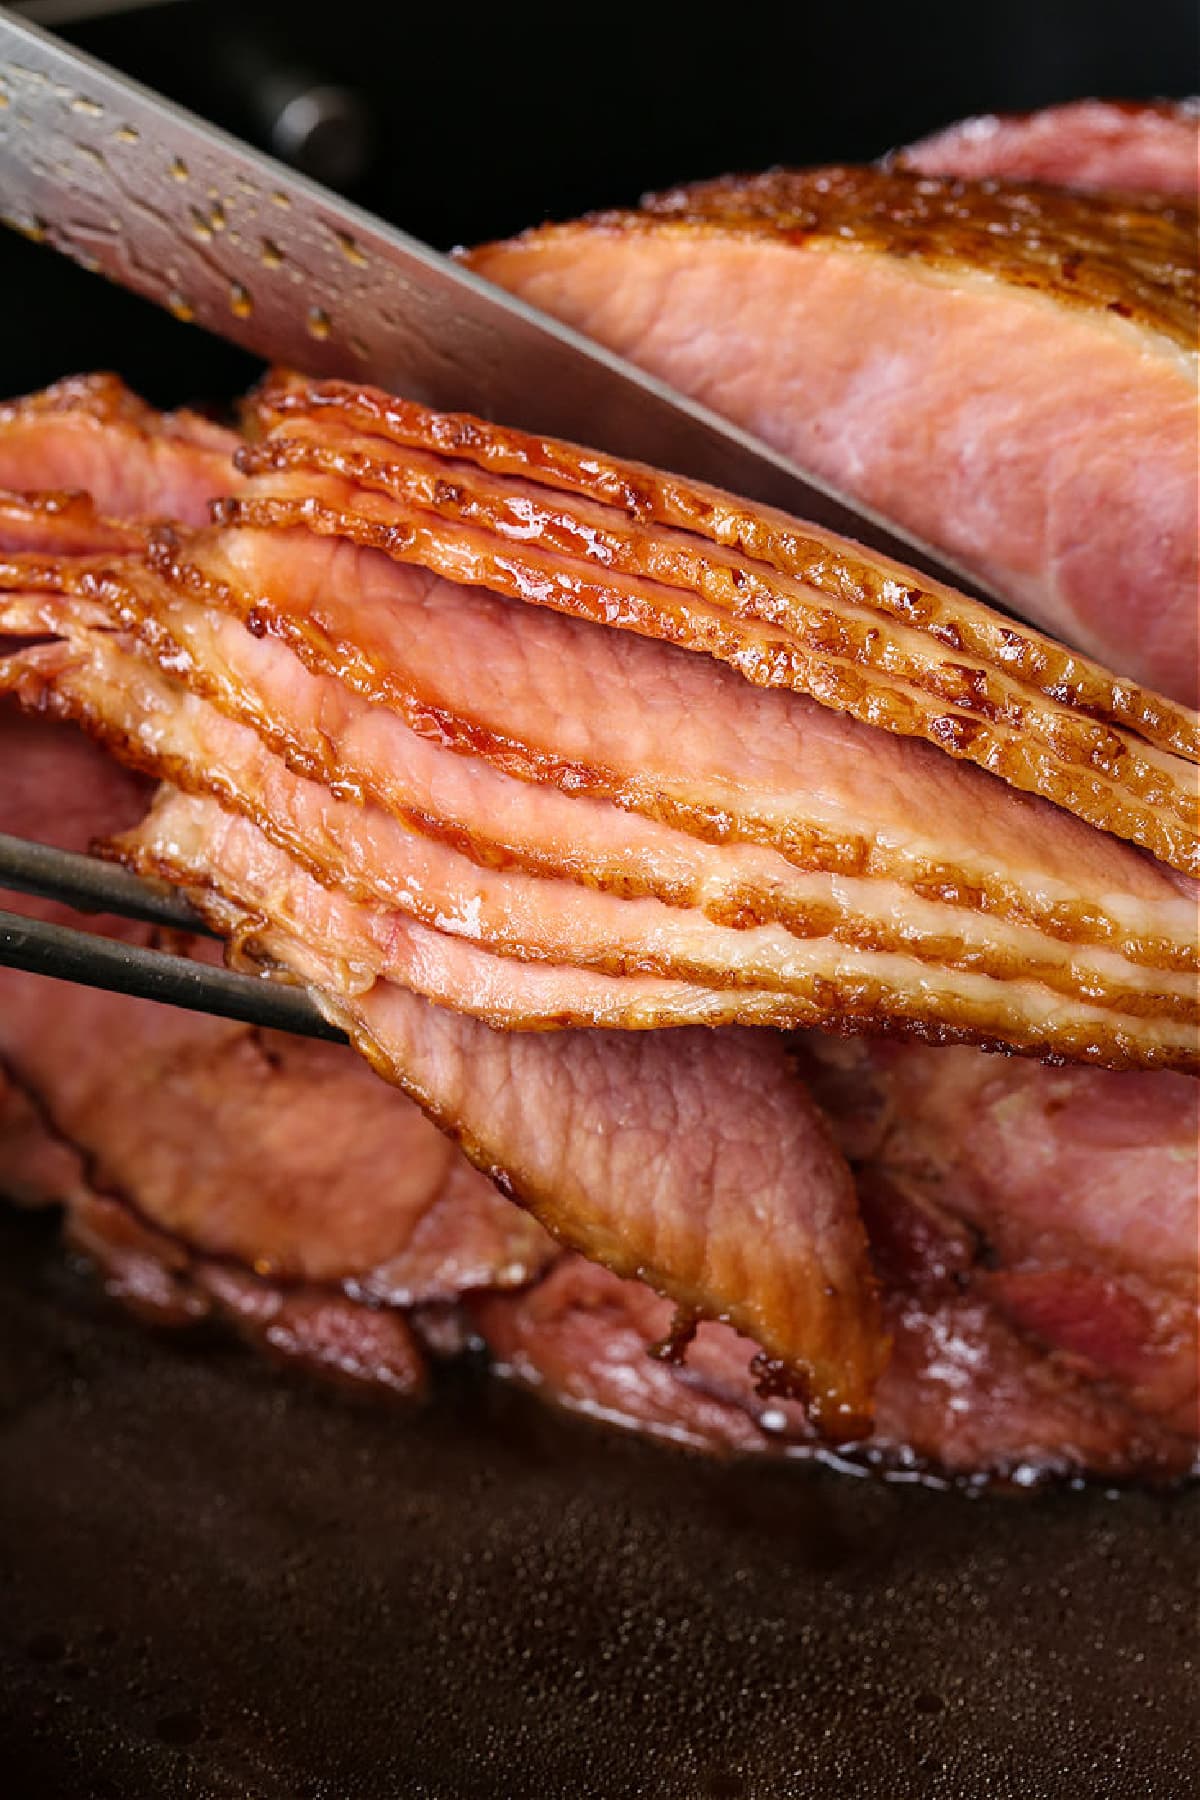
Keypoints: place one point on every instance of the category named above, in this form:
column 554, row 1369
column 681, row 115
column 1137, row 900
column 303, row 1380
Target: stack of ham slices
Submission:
column 801, row 957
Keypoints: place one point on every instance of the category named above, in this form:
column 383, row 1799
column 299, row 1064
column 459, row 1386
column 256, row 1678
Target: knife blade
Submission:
column 135, row 188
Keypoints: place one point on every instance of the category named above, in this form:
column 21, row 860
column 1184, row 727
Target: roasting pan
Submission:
column 218, row 1580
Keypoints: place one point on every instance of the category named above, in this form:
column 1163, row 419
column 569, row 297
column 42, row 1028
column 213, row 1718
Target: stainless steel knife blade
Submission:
column 135, row 188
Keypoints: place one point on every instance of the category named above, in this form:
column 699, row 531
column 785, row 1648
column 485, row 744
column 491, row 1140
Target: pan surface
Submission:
column 217, row 1580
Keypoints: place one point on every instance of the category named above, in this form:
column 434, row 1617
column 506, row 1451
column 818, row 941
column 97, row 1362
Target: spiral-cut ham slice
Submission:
column 1009, row 372
column 283, row 1156
column 1023, row 986
column 693, row 1160
column 436, row 792
column 90, row 436
column 311, row 1165
column 785, row 606
column 767, row 609
column 1150, row 148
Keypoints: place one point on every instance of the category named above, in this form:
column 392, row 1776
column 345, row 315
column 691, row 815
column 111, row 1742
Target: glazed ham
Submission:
column 244, row 1145
column 453, row 716
column 419, row 900
column 659, row 966
column 1098, row 144
column 88, row 439
column 1008, row 371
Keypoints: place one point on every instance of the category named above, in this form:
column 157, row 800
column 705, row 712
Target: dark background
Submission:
column 485, row 119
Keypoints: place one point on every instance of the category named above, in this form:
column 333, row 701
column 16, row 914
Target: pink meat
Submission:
column 1009, row 372
column 1139, row 148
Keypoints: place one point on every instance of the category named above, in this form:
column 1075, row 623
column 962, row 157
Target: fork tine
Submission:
column 93, row 961
column 90, row 885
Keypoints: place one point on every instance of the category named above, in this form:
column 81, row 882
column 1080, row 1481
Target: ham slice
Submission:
column 1140, row 148
column 753, row 974
column 607, row 952
column 89, row 435
column 644, row 1151
column 329, row 1333
column 1009, row 372
column 783, row 604
column 964, row 1392
column 284, row 1156
column 395, row 756
column 1035, row 1231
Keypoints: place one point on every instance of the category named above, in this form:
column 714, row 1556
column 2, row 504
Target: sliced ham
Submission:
column 1035, row 1231
column 283, row 1155
column 964, row 1391
column 90, row 435
column 1009, row 372
column 782, row 604
column 329, row 1333
column 413, row 903
column 1150, row 148
column 648, row 1152
column 427, row 788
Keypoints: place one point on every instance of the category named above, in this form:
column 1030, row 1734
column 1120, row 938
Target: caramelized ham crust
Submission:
column 394, row 756
column 786, row 606
column 1150, row 149
column 1010, row 372
column 573, row 956
column 89, row 436
column 286, row 1156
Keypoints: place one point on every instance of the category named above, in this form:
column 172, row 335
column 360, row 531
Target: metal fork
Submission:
column 89, row 885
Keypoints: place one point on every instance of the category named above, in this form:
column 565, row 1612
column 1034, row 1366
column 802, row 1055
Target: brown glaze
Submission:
column 145, row 720
column 831, row 567
column 856, row 999
column 786, row 609
column 1132, row 260
column 177, row 633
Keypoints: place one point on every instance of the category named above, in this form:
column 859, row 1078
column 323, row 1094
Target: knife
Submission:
column 132, row 186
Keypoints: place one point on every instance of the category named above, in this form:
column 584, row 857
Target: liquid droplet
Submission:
column 318, row 322
column 240, row 303
column 279, row 198
column 81, row 104
column 200, row 226
column 216, row 217
column 127, row 134
column 271, row 255
column 3, row 98
column 246, row 185
column 177, row 169
column 180, row 306
column 358, row 347
column 350, row 250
